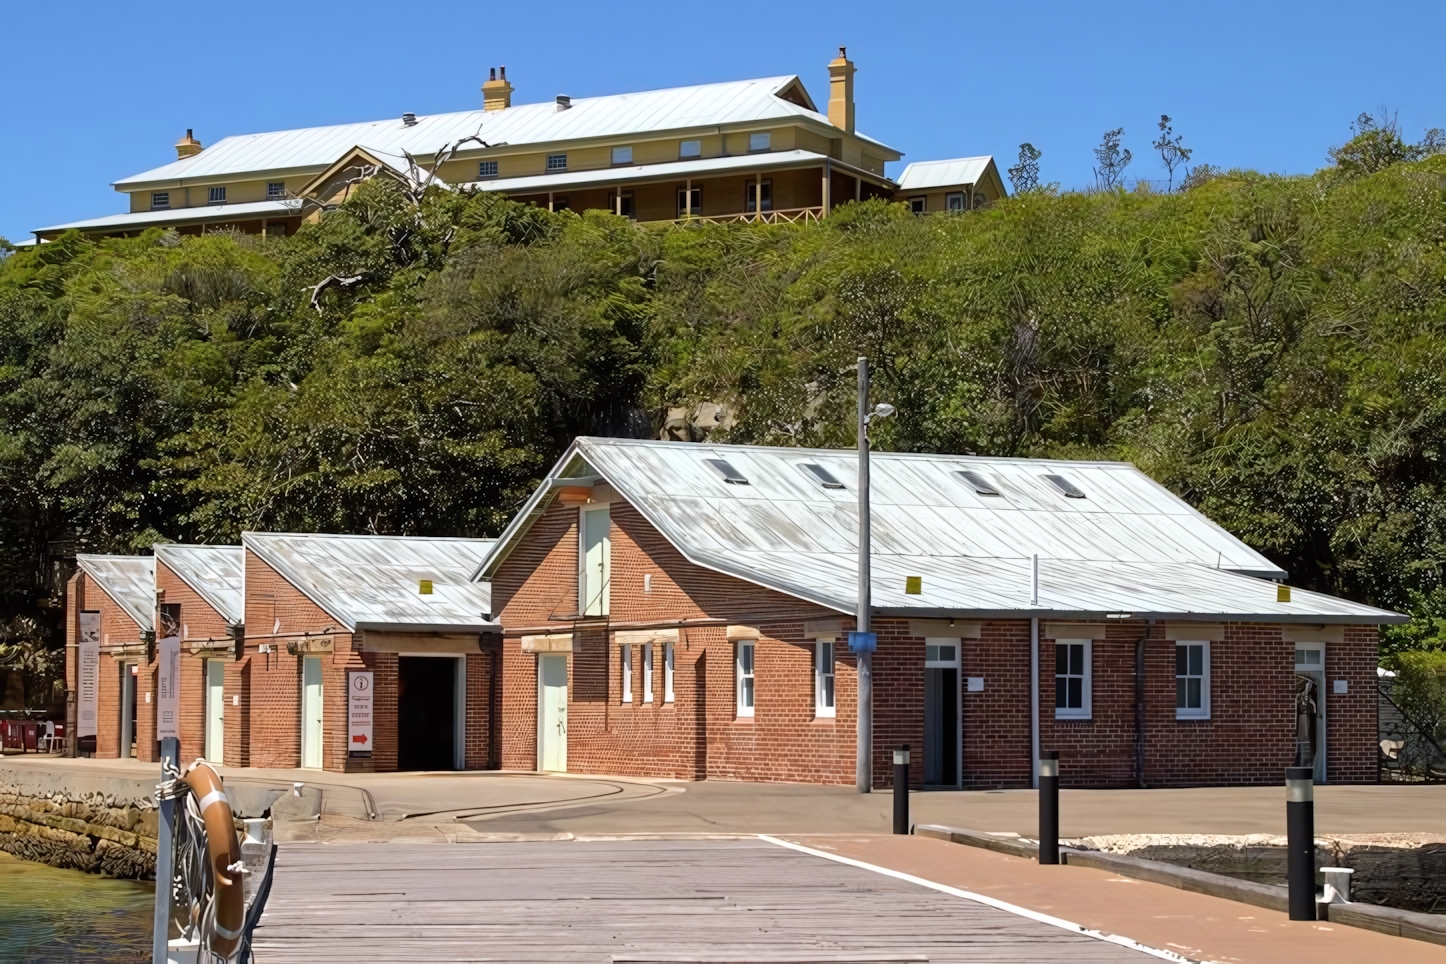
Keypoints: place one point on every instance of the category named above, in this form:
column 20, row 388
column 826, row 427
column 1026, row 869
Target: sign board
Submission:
column 863, row 642
column 87, row 677
column 359, row 689
column 311, row 644
column 168, row 672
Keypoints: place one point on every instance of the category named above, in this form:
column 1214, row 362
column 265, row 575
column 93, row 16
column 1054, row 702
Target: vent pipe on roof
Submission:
column 841, row 92
column 409, row 119
column 187, row 146
column 496, row 91
column 564, row 102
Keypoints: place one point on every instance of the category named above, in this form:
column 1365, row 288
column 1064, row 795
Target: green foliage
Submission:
column 1419, row 692
column 1378, row 144
column 1271, row 348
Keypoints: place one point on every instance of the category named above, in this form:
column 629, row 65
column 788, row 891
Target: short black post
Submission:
column 901, row 789
column 1300, row 841
column 1049, row 807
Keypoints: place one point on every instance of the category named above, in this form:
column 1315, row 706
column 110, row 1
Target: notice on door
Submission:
column 168, row 673
column 359, row 713
column 88, row 666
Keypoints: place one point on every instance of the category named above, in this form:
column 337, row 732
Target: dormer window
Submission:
column 160, row 200
column 217, row 195
column 760, row 141
column 622, row 155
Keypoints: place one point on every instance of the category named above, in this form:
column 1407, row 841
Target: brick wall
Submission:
column 117, row 628
column 199, row 621
column 1351, row 724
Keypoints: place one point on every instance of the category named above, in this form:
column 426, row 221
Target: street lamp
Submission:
column 862, row 641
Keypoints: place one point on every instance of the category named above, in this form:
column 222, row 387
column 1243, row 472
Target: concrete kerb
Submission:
column 1386, row 920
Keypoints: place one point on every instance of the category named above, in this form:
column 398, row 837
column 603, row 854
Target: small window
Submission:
column 1064, row 486
column 745, row 678
column 160, row 200
column 486, row 169
column 1192, row 680
column 821, row 475
column 557, row 162
column 1072, row 679
column 823, row 679
column 622, row 155
column 275, row 190
column 941, row 655
column 977, row 482
column 647, row 672
column 625, row 666
column 217, row 195
column 1309, row 658
column 750, row 198
column 917, row 205
column 760, row 141
column 954, row 202
column 689, row 149
column 730, row 475
column 690, row 206
column 669, row 655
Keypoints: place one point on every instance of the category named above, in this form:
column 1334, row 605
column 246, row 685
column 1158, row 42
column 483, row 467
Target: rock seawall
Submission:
column 93, row 831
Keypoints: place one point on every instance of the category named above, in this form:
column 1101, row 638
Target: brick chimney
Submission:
column 841, row 92
column 496, row 92
column 187, row 146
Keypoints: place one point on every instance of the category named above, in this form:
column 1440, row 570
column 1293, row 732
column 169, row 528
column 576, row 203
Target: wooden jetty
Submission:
column 638, row 901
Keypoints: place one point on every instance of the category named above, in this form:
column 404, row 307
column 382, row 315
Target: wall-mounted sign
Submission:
column 168, row 672
column 863, row 642
column 87, row 674
column 312, row 644
column 359, row 689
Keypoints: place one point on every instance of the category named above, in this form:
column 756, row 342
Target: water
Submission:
column 64, row 915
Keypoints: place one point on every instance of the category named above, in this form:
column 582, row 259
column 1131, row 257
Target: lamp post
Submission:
column 862, row 641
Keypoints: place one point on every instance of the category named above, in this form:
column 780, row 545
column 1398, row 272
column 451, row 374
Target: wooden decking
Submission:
column 631, row 901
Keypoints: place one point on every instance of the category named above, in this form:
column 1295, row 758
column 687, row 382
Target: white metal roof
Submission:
column 214, row 212
column 216, row 573
column 372, row 582
column 646, row 112
column 669, row 170
column 129, row 580
column 923, row 175
column 1130, row 545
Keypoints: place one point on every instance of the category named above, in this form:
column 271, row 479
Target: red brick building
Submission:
column 112, row 598
column 675, row 609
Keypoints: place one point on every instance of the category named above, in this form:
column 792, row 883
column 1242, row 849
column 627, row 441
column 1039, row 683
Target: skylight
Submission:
column 1064, row 485
column 730, row 475
column 821, row 475
column 977, row 482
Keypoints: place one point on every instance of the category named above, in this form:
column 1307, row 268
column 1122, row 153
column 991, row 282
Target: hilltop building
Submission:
column 743, row 150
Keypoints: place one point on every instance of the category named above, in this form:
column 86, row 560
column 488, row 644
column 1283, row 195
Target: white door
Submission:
column 596, row 561
column 552, row 713
column 311, row 712
column 215, row 710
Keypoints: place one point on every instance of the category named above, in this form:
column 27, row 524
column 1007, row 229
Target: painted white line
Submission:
column 1033, row 915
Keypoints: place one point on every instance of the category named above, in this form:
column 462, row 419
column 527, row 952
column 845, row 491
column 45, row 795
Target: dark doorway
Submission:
column 941, row 727
column 426, row 713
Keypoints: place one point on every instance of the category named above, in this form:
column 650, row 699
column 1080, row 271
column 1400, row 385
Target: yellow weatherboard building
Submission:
column 742, row 150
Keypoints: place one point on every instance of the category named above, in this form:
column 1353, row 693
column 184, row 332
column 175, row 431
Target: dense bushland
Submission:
column 1271, row 348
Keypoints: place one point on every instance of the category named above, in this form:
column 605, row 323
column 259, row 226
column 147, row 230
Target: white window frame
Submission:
column 1086, row 710
column 275, row 190
column 760, row 141
column 745, row 669
column 160, row 200
column 591, row 603
column 1310, row 667
column 687, row 149
column 625, row 663
column 556, row 162
column 216, row 195
column 825, row 680
column 1202, row 712
column 647, row 672
column 935, row 658
column 670, row 655
column 623, row 154
column 486, row 170
column 918, row 205
column 949, row 204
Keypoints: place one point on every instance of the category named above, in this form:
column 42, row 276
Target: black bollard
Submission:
column 1300, row 841
column 901, row 789
column 1049, row 807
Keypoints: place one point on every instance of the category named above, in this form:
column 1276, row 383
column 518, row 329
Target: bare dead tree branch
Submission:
column 330, row 281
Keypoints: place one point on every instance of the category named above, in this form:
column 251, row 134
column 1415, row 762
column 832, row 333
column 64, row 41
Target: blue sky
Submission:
column 98, row 91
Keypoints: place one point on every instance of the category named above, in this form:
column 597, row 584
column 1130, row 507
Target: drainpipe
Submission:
column 1034, row 674
column 1140, row 706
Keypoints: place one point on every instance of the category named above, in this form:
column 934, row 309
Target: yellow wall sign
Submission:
column 913, row 585
column 1282, row 594
column 425, row 588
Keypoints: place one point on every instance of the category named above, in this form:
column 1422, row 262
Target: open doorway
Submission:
column 941, row 713
column 1310, row 708
column 428, row 708
column 130, row 676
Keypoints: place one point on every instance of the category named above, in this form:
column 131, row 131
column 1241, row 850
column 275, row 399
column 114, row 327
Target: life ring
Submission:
column 224, row 853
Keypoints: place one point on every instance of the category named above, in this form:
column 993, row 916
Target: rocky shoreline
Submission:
column 89, row 831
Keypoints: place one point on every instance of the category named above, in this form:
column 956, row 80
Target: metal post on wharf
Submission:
column 1300, row 841
column 901, row 789
column 1049, row 807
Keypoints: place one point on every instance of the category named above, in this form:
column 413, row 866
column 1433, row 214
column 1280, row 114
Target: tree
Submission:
column 1112, row 160
column 1025, row 175
column 1377, row 144
column 1173, row 152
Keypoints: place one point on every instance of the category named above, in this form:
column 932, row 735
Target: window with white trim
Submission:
column 669, row 655
column 647, row 672
column 1072, row 679
column 556, row 162
column 1192, row 680
column 744, row 673
column 275, row 190
column 625, row 666
column 160, row 200
column 687, row 149
column 823, row 679
column 486, row 170
column 760, row 141
column 217, row 195
column 623, row 155
column 918, row 205
column 954, row 202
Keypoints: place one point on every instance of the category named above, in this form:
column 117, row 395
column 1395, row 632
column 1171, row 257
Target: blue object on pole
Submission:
column 863, row 642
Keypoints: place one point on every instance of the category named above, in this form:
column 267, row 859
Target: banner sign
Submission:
column 863, row 642
column 168, row 671
column 359, row 688
column 87, row 672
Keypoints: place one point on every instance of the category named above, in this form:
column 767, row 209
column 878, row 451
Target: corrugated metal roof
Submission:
column 216, row 573
column 922, row 175
column 371, row 582
column 665, row 171
column 1130, row 545
column 129, row 580
column 644, row 112
column 215, row 212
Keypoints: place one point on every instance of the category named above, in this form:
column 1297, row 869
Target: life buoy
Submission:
column 224, row 853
